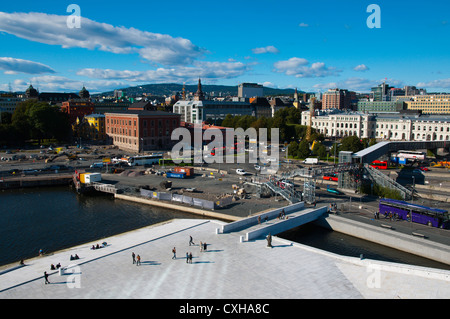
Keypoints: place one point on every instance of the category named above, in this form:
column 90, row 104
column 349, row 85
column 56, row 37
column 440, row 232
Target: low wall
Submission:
column 253, row 220
column 388, row 237
column 186, row 209
column 306, row 216
column 25, row 182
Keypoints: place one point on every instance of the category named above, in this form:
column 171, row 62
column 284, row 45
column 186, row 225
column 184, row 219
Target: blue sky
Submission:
column 311, row 45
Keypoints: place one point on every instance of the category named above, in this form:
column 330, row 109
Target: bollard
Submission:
column 217, row 231
column 241, row 239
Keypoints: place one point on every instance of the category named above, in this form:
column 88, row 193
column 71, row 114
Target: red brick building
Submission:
column 141, row 130
column 77, row 108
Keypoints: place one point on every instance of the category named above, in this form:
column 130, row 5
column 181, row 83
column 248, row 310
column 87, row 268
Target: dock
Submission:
column 230, row 268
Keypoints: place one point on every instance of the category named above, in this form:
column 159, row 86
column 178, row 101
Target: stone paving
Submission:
column 227, row 269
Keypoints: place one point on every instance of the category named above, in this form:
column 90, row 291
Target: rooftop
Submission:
column 228, row 269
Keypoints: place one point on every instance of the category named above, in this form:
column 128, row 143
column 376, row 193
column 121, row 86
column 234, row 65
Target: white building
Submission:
column 392, row 126
column 248, row 90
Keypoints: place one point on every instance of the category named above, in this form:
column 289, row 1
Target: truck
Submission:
column 311, row 160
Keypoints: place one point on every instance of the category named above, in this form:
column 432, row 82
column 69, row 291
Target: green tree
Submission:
column 38, row 120
column 303, row 149
column 352, row 144
column 320, row 150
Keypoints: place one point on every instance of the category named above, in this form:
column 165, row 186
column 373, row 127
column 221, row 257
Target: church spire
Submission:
column 199, row 96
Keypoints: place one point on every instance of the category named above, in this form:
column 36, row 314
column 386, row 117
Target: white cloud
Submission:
column 355, row 84
column 303, row 25
column 361, row 68
column 435, row 84
column 52, row 29
column 14, row 66
column 52, row 83
column 267, row 49
column 300, row 68
column 204, row 70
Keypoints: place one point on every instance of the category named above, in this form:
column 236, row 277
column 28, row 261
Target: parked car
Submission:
column 97, row 165
column 30, row 171
column 424, row 169
column 240, row 171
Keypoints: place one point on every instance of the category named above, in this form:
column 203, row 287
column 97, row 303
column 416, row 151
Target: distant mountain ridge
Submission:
column 167, row 89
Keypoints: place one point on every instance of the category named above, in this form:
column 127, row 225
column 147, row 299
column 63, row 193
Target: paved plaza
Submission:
column 228, row 268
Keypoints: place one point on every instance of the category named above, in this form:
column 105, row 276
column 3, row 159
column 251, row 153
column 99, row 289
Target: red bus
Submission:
column 331, row 177
column 379, row 164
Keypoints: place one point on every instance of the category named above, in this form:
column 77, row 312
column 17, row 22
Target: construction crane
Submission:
column 311, row 115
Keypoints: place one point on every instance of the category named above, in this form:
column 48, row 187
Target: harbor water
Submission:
column 52, row 219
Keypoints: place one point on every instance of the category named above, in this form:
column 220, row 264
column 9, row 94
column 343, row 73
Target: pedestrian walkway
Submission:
column 227, row 268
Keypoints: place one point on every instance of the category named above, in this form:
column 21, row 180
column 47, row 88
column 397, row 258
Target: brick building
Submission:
column 77, row 109
column 138, row 131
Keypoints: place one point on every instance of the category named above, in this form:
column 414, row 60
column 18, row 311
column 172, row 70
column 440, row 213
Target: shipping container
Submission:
column 188, row 170
column 175, row 175
column 87, row 178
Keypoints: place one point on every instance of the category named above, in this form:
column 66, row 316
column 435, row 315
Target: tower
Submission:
column 296, row 102
column 311, row 115
column 84, row 94
column 199, row 96
column 183, row 95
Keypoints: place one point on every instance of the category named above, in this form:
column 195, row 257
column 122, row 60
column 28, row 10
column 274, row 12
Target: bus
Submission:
column 411, row 155
column 145, row 159
column 331, row 177
column 434, row 217
column 379, row 164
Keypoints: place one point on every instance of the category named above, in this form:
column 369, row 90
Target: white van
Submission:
column 311, row 160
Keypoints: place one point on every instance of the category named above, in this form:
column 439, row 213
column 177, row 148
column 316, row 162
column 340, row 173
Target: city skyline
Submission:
column 312, row 46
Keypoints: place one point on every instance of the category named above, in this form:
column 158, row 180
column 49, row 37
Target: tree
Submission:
column 319, row 150
column 292, row 149
column 352, row 144
column 38, row 120
column 303, row 149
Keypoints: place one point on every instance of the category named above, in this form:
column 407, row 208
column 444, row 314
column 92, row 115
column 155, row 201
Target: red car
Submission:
column 424, row 169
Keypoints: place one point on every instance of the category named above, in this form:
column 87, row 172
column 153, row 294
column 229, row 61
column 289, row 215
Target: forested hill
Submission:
column 167, row 89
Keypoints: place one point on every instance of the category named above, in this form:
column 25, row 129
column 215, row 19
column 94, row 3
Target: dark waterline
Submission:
column 56, row 218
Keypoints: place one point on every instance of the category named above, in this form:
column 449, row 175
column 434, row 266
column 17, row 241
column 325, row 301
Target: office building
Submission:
column 337, row 99
column 248, row 90
column 138, row 131
column 430, row 104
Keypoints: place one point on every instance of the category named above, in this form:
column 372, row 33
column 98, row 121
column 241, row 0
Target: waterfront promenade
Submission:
column 228, row 268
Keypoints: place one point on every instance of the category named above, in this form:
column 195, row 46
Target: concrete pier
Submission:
column 229, row 268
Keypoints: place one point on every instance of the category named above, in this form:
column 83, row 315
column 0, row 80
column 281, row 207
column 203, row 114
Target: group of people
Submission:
column 136, row 259
column 282, row 214
column 53, row 267
column 333, row 207
column 74, row 257
column 104, row 244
